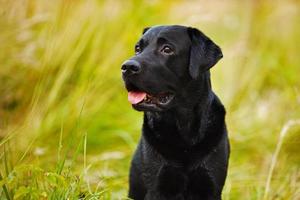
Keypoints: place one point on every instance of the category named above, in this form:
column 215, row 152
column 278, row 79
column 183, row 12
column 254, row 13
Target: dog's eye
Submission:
column 167, row 50
column 137, row 49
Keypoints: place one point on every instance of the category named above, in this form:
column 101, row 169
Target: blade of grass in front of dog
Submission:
column 78, row 148
column 61, row 162
column 82, row 139
column 84, row 150
column 282, row 135
column 85, row 168
column 75, row 129
column 6, row 166
column 5, row 188
column 5, row 161
column 60, row 144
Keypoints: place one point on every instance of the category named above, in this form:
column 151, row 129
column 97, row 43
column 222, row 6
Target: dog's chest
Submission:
column 169, row 180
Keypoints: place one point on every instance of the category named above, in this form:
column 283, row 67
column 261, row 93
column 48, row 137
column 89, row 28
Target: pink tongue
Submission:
column 136, row 97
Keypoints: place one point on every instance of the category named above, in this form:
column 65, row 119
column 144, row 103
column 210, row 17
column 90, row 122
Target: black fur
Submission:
column 183, row 151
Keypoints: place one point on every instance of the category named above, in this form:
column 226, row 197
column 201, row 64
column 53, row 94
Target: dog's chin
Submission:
column 146, row 107
column 151, row 105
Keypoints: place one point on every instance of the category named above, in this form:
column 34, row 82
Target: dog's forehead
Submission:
column 176, row 34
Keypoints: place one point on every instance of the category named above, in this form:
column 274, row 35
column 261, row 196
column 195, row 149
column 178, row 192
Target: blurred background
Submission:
column 67, row 130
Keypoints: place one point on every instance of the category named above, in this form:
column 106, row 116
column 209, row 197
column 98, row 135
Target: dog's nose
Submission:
column 131, row 67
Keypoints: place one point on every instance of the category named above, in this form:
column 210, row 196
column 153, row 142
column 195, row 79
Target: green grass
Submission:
column 67, row 131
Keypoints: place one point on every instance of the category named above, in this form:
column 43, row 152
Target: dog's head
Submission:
column 167, row 60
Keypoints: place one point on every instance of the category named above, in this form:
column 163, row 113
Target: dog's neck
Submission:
column 187, row 123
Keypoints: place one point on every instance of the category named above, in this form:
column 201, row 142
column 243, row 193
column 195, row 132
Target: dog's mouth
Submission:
column 142, row 101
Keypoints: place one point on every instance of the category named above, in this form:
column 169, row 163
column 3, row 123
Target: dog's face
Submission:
column 167, row 59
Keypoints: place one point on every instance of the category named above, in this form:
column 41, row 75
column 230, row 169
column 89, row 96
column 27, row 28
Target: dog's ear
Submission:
column 204, row 53
column 146, row 29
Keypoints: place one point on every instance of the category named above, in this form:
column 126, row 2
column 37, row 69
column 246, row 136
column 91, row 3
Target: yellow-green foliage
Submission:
column 67, row 130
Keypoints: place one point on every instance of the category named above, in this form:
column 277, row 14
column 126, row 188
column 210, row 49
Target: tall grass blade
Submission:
column 5, row 189
column 282, row 134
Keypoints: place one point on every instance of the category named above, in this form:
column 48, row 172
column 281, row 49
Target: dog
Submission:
column 184, row 149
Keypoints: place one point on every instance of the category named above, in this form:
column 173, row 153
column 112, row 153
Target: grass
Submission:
column 67, row 131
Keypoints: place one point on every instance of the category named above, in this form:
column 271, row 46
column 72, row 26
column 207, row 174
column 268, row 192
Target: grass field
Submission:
column 67, row 130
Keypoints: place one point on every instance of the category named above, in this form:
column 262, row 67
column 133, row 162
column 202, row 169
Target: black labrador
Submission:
column 184, row 149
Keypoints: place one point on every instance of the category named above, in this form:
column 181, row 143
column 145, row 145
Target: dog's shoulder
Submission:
column 217, row 109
